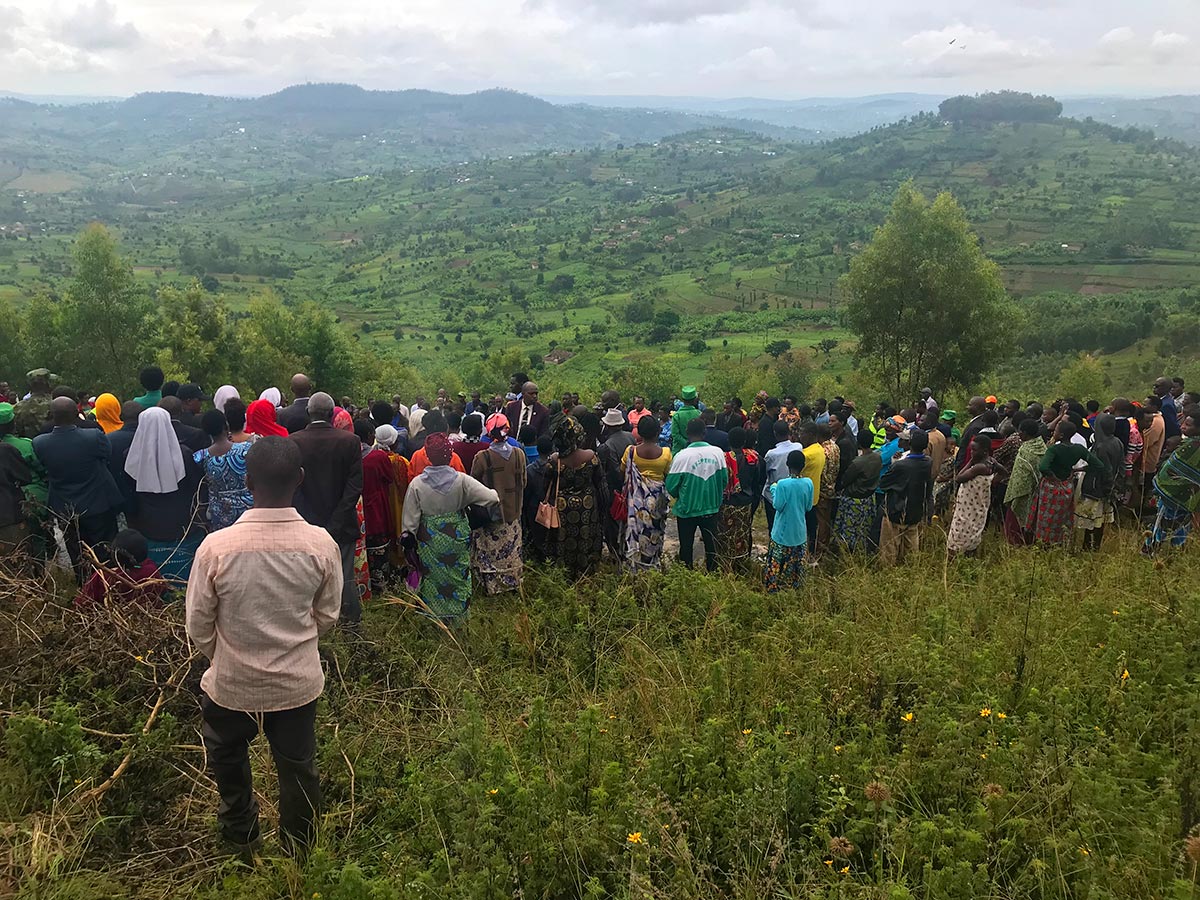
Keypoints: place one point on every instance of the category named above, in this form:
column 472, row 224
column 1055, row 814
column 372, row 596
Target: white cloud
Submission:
column 96, row 27
column 715, row 47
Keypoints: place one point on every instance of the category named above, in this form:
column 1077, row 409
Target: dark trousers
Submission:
column 95, row 532
column 351, row 602
column 810, row 525
column 708, row 534
column 227, row 734
column 770, row 513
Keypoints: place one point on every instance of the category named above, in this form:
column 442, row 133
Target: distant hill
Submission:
column 1177, row 116
column 311, row 131
column 827, row 116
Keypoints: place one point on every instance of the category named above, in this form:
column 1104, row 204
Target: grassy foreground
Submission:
column 1026, row 725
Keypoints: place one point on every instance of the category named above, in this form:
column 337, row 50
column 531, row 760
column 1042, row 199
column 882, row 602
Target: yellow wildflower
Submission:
column 985, row 712
column 493, row 791
column 829, row 862
column 635, row 837
column 983, row 756
column 612, row 716
column 1085, row 851
column 604, row 731
column 1116, row 612
column 788, row 733
column 1001, row 715
column 139, row 659
column 1125, row 675
column 837, row 748
column 844, row 870
column 747, row 730
column 907, row 717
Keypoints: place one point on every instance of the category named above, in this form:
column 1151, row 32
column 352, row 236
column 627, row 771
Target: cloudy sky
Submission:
column 765, row 48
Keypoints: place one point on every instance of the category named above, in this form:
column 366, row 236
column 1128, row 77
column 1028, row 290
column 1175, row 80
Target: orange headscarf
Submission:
column 108, row 413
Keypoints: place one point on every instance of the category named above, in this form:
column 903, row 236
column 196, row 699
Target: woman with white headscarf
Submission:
column 224, row 394
column 272, row 394
column 166, row 481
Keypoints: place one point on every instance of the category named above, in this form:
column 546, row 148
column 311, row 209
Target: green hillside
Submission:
column 701, row 246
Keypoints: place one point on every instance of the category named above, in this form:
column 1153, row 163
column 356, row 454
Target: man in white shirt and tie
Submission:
column 526, row 410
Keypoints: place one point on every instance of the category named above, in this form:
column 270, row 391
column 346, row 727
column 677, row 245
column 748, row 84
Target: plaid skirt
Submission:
column 1052, row 515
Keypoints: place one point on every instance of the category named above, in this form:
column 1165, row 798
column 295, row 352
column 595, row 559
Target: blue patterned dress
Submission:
column 226, row 479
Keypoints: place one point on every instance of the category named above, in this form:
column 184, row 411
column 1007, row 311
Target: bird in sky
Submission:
column 954, row 40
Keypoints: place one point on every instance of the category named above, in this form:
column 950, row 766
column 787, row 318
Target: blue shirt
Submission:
column 792, row 498
column 1170, row 416
column 886, row 452
column 776, row 463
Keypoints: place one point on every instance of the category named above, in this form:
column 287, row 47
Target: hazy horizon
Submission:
column 713, row 49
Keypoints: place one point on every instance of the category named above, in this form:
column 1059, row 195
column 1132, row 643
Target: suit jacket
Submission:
column 540, row 419
column 189, row 437
column 76, row 463
column 294, row 417
column 908, row 486
column 333, row 480
column 119, row 443
column 717, row 437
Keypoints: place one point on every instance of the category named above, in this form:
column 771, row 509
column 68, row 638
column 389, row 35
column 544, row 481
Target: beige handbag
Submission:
column 547, row 514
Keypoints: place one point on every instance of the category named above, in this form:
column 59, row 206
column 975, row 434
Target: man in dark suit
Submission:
column 328, row 496
column 119, row 442
column 192, row 398
column 82, row 491
column 191, row 438
column 718, row 437
column 526, row 410
column 295, row 417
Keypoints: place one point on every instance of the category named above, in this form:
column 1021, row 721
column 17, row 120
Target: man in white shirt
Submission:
column 260, row 594
column 775, row 463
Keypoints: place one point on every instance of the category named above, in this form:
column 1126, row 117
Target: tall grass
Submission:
column 1021, row 725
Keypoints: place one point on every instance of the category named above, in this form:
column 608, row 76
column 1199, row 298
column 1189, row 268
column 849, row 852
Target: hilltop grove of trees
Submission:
column 1000, row 106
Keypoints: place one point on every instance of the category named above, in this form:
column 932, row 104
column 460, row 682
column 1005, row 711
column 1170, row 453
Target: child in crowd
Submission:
column 130, row 579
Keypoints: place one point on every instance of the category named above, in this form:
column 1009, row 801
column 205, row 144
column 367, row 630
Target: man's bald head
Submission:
column 301, row 385
column 63, row 411
column 320, row 407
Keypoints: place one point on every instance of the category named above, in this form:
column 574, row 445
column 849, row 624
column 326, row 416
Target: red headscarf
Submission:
column 342, row 419
column 437, row 448
column 260, row 420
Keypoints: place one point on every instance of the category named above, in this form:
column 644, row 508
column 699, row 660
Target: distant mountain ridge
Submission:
column 320, row 130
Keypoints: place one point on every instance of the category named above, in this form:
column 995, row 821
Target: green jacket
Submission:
column 697, row 480
column 679, row 424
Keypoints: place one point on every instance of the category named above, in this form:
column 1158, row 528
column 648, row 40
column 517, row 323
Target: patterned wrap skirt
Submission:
column 496, row 557
column 443, row 553
column 174, row 561
column 1052, row 515
column 855, row 516
column 734, row 537
column 785, row 569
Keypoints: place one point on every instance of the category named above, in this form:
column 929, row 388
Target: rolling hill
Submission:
column 306, row 131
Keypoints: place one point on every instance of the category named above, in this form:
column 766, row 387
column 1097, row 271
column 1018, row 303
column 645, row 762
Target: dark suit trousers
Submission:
column 351, row 602
column 95, row 532
column 227, row 734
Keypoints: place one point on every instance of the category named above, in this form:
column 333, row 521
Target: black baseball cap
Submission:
column 191, row 392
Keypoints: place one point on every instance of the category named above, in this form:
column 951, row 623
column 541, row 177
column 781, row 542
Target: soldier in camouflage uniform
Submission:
column 30, row 415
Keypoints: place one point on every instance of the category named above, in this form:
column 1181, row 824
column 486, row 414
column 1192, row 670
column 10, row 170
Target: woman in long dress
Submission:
column 434, row 514
column 735, row 537
column 856, row 502
column 167, row 481
column 224, row 466
column 973, row 499
column 578, row 485
column 646, row 504
column 496, row 548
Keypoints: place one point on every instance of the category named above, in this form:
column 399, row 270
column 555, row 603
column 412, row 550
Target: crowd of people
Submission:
column 282, row 518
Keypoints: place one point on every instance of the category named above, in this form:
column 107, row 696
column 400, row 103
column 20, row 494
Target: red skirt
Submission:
column 1052, row 516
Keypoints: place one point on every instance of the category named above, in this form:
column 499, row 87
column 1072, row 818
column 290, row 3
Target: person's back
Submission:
column 332, row 462
column 76, row 463
column 792, row 499
column 260, row 594
column 909, row 489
